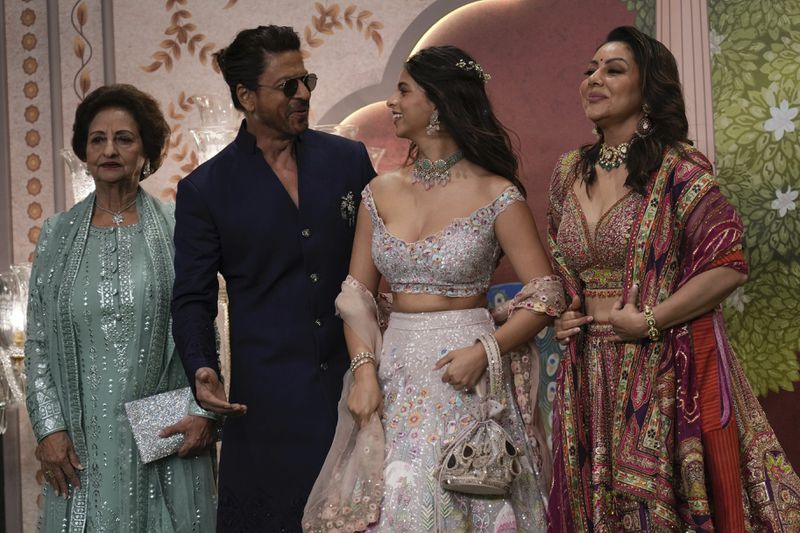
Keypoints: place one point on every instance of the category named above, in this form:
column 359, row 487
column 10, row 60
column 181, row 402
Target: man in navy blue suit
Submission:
column 274, row 213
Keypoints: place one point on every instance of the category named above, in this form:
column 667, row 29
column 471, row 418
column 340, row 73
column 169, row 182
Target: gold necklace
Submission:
column 612, row 157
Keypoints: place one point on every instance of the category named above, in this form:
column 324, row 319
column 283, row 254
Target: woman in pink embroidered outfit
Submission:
column 434, row 230
column 655, row 427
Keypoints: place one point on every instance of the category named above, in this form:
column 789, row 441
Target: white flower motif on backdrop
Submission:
column 715, row 42
column 738, row 299
column 784, row 201
column 781, row 121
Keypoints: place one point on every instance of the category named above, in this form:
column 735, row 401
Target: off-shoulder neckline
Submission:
column 437, row 234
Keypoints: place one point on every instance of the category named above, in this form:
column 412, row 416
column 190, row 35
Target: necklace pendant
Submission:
column 612, row 157
column 430, row 173
column 116, row 216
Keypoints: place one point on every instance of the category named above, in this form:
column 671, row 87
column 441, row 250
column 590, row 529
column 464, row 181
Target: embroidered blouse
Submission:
column 456, row 261
column 597, row 251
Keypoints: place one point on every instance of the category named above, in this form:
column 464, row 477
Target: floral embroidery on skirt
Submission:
column 421, row 414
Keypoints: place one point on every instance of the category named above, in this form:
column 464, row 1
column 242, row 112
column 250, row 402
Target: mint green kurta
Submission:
column 101, row 297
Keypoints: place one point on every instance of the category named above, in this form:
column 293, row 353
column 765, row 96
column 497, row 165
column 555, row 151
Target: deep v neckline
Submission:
column 591, row 237
column 433, row 236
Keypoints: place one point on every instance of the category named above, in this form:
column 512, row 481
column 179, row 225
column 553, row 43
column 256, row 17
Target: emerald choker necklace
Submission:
column 430, row 173
column 612, row 157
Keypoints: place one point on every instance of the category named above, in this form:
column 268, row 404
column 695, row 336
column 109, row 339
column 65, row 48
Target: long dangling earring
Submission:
column 146, row 169
column 645, row 125
column 433, row 124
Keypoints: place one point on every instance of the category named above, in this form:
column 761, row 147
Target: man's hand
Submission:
column 198, row 434
column 211, row 394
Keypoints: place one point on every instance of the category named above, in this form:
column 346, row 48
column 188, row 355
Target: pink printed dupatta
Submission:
column 661, row 455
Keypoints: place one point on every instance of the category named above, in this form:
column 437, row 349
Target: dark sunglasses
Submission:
column 289, row 87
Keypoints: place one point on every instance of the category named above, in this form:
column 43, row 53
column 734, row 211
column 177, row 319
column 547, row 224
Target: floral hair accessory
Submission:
column 472, row 65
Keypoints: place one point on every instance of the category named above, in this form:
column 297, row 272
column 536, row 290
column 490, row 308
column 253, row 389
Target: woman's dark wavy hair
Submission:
column 243, row 61
column 464, row 110
column 661, row 91
column 153, row 127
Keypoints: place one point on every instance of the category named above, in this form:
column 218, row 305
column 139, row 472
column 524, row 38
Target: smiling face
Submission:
column 611, row 92
column 268, row 107
column 411, row 109
column 114, row 149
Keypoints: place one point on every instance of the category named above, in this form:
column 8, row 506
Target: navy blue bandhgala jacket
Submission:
column 283, row 267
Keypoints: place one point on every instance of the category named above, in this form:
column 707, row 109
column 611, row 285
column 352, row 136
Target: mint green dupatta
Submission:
column 186, row 487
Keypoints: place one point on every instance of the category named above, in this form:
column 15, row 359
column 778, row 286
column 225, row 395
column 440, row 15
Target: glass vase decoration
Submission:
column 81, row 180
column 13, row 308
column 210, row 140
column 218, row 125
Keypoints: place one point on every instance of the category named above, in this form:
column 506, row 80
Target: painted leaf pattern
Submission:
column 755, row 65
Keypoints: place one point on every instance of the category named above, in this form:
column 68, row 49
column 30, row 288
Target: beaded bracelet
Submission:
column 361, row 358
column 650, row 320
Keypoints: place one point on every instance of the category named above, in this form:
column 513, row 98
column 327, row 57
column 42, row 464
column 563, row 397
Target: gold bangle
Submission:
column 652, row 329
column 360, row 359
column 360, row 363
column 363, row 355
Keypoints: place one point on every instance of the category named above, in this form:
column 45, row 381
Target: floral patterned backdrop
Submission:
column 755, row 47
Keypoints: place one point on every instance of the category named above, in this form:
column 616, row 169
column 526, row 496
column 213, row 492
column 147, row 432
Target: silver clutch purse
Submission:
column 150, row 415
column 483, row 458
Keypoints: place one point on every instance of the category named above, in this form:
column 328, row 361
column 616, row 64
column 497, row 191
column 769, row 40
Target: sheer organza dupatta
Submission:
column 347, row 494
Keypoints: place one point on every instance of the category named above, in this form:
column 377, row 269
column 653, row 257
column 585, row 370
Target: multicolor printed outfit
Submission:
column 666, row 435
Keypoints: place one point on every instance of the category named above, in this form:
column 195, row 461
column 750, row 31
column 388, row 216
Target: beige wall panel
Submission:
column 682, row 25
column 81, row 60
column 30, row 138
column 164, row 47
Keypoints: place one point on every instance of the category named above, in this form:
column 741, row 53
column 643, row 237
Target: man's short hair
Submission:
column 244, row 60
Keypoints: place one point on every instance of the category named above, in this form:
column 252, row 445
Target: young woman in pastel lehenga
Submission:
column 434, row 230
column 655, row 426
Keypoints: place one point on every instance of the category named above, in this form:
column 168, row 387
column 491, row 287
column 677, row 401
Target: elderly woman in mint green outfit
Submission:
column 99, row 336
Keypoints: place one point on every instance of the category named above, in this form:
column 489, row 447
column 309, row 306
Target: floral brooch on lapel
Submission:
column 348, row 209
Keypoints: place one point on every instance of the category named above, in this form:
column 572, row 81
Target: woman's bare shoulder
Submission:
column 495, row 185
column 389, row 182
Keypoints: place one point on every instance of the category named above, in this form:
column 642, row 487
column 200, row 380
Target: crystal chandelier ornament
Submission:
column 13, row 309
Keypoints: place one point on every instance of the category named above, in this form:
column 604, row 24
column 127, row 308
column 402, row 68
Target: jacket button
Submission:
column 306, row 233
column 318, row 323
column 323, row 366
column 314, row 277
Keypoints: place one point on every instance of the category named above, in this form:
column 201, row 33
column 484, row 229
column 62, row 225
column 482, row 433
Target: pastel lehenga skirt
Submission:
column 422, row 414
